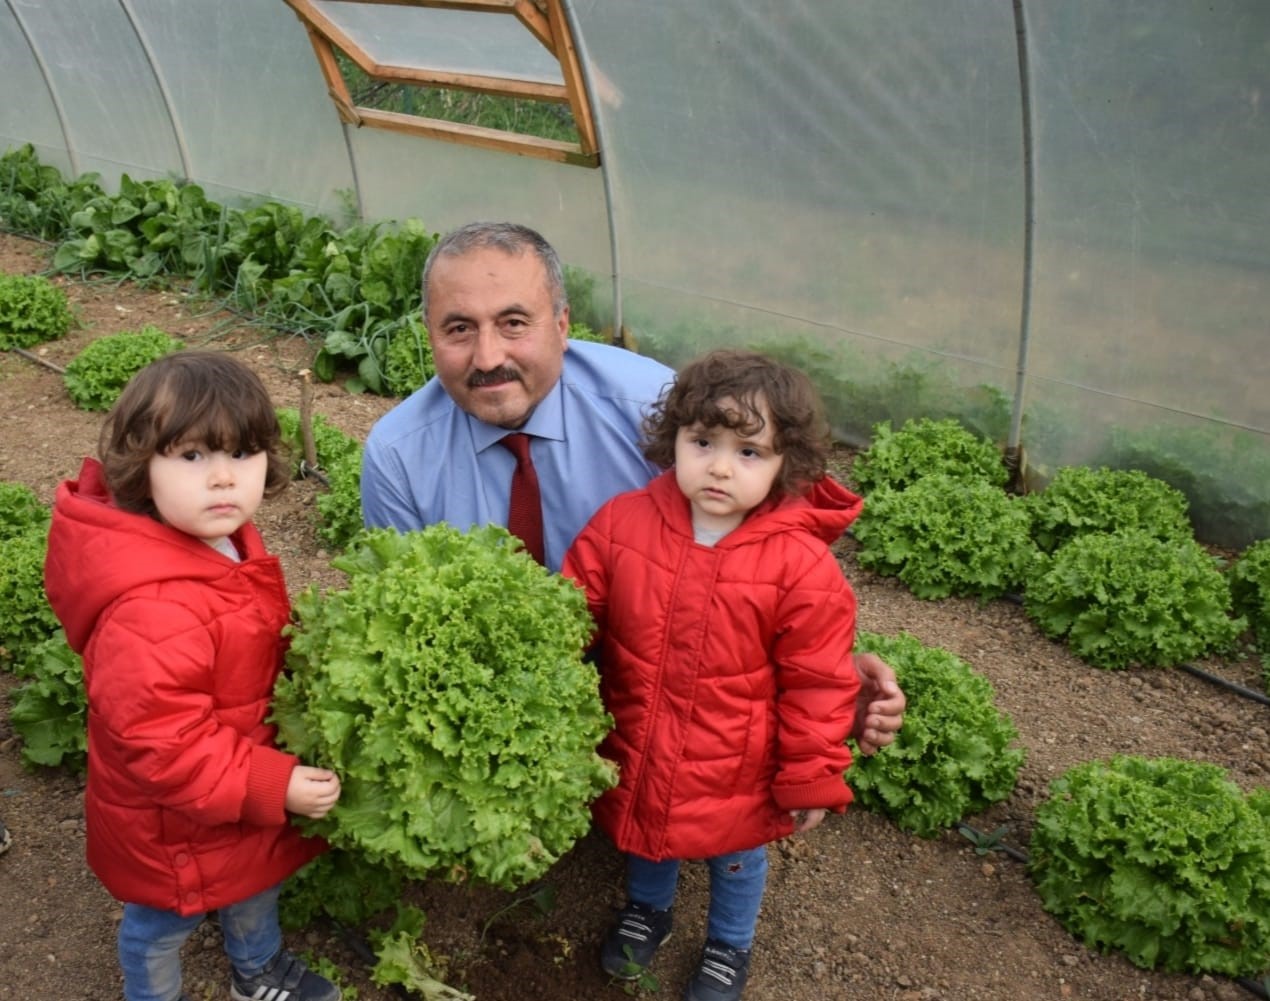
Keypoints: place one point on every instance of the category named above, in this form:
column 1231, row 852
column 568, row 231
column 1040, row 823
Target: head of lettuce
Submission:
column 446, row 686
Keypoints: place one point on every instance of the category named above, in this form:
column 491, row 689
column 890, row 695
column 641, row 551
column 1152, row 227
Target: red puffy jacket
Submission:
column 181, row 647
column 727, row 669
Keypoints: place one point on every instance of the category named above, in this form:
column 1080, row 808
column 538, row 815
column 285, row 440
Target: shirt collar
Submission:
column 547, row 421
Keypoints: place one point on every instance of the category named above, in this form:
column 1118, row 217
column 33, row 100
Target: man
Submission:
column 498, row 321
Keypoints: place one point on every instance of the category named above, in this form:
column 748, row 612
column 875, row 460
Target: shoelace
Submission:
column 719, row 965
column 286, row 972
column 631, row 926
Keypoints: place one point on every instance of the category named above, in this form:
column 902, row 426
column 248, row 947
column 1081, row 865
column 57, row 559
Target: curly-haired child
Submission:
column 724, row 637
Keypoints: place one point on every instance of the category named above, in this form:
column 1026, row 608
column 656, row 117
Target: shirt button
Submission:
column 182, row 859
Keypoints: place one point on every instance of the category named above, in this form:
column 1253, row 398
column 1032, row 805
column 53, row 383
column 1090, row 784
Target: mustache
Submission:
column 494, row 375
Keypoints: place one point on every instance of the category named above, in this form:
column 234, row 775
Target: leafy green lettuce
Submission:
column 446, row 686
column 1164, row 859
column 954, row 756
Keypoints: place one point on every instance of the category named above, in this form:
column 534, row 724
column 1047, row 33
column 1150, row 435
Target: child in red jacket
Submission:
column 164, row 586
column 724, row 631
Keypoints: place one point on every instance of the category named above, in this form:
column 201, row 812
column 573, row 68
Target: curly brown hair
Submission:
column 186, row 396
column 752, row 381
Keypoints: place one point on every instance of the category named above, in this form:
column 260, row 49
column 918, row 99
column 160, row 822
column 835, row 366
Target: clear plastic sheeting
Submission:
column 447, row 185
column 77, row 46
column 29, row 112
column 840, row 183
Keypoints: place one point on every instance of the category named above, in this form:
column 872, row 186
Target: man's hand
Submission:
column 879, row 706
column 312, row 792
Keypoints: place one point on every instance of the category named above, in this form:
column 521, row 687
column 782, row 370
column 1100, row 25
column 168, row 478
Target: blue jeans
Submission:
column 737, row 881
column 150, row 943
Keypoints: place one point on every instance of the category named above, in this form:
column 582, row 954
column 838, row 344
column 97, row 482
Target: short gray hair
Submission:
column 509, row 237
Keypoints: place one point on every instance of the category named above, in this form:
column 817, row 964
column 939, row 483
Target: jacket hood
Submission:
column 97, row 553
column 825, row 510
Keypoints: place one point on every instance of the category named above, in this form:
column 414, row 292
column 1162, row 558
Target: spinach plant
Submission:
column 1165, row 860
column 955, row 754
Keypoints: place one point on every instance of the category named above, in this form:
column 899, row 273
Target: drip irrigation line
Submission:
column 1247, row 693
column 1253, row 987
column 33, row 357
column 1199, row 672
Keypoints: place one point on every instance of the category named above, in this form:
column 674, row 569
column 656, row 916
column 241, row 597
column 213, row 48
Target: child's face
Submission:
column 725, row 475
column 205, row 493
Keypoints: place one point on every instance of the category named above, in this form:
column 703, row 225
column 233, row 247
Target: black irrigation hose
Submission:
column 1247, row 693
column 1230, row 686
column 1254, row 987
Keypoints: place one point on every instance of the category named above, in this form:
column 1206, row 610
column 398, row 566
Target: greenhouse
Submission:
column 1021, row 250
column 1047, row 220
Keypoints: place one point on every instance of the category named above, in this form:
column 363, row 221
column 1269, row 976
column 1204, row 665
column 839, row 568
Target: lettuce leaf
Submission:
column 446, row 686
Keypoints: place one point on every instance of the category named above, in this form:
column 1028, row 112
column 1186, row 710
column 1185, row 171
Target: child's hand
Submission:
column 805, row 820
column 312, row 791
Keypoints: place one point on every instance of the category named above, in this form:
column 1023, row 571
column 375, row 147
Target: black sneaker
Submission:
column 6, row 839
column 721, row 975
column 284, row 979
column 633, row 940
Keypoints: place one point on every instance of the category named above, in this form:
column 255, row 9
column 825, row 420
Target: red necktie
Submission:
column 524, row 516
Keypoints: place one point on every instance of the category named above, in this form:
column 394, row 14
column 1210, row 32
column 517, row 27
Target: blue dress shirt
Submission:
column 427, row 461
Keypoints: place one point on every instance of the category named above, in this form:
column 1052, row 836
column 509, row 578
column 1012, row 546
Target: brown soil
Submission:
column 855, row 910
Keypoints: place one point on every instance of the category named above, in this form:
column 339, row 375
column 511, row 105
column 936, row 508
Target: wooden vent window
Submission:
column 499, row 74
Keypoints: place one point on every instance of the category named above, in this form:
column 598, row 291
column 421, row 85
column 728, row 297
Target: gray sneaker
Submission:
column 286, row 978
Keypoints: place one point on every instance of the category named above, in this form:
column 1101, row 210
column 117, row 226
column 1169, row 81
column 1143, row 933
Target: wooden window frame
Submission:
column 544, row 19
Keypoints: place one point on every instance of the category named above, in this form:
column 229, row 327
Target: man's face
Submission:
column 497, row 347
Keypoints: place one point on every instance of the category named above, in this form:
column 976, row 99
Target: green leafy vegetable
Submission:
column 25, row 616
column 1163, row 859
column 446, row 687
column 922, row 447
column 953, row 757
column 20, row 510
column 944, row 535
column 97, row 375
column 408, row 362
column 1250, row 590
column 32, row 310
column 1080, row 500
column 404, row 959
column 50, row 711
column 339, row 456
column 1122, row 598
column 342, row 886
